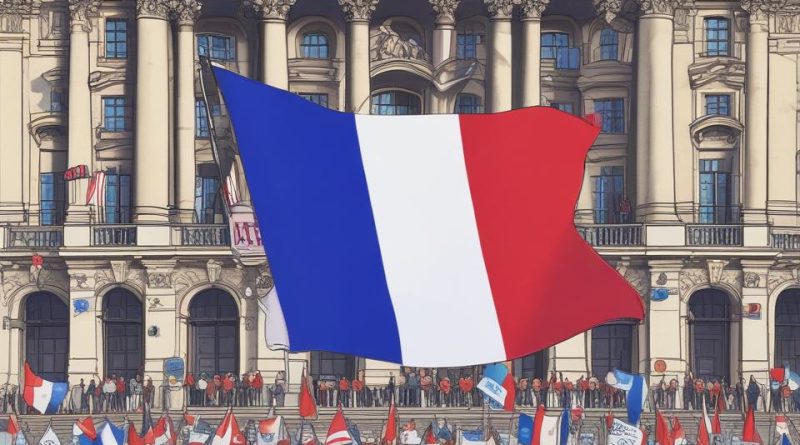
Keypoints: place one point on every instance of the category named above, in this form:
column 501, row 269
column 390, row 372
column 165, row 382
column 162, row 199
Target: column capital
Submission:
column 81, row 10
column 661, row 7
column 759, row 10
column 620, row 15
column 16, row 6
column 445, row 11
column 358, row 10
column 270, row 9
column 159, row 9
column 500, row 9
column 186, row 11
column 533, row 9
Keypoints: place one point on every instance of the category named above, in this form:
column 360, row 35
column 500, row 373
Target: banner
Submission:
column 493, row 390
column 621, row 433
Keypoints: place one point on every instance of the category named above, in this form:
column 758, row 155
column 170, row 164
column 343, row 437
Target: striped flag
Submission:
column 8, row 431
column 96, row 192
column 43, row 395
column 338, row 433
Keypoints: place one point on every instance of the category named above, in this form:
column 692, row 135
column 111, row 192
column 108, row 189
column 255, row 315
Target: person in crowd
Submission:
column 344, row 391
column 566, row 393
column 188, row 386
column 413, row 388
column 91, row 401
column 279, row 390
column 753, row 393
column 250, row 430
column 258, row 388
column 536, row 392
column 671, row 394
column 149, row 392
column 227, row 389
column 699, row 393
column 594, row 392
column 122, row 398
column 390, row 389
column 688, row 391
column 108, row 391
column 445, row 391
column 358, row 389
column 84, row 400
column 202, row 389
column 522, row 388
column 467, row 388
column 322, row 393
column 659, row 393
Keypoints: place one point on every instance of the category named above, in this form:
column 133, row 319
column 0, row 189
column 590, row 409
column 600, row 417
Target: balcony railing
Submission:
column 784, row 239
column 732, row 50
column 203, row 235
column 713, row 235
column 612, row 234
column 34, row 237
column 116, row 235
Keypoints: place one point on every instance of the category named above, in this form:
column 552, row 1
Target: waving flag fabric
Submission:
column 8, row 431
column 635, row 389
column 43, row 395
column 49, row 437
column 228, row 432
column 110, row 434
column 85, row 431
column 547, row 429
column 390, row 427
column 338, row 433
column 467, row 215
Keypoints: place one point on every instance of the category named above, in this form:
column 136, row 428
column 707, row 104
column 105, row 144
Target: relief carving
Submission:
column 79, row 281
column 386, row 43
column 184, row 279
column 691, row 278
column 751, row 279
column 777, row 278
column 787, row 24
column 159, row 280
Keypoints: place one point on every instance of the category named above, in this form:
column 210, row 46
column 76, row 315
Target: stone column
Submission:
column 272, row 21
column 531, row 51
column 11, row 107
column 654, row 141
column 357, row 13
column 756, row 102
column 499, row 69
column 185, row 69
column 444, row 30
column 159, row 286
column 151, row 179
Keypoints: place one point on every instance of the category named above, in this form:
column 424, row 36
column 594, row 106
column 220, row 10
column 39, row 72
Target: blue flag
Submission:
column 525, row 433
column 564, row 433
column 636, row 391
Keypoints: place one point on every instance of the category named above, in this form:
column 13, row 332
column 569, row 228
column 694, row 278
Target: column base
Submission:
column 151, row 215
column 754, row 216
column 183, row 216
column 656, row 212
column 79, row 214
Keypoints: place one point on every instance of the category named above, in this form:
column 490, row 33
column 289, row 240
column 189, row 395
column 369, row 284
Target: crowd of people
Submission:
column 415, row 388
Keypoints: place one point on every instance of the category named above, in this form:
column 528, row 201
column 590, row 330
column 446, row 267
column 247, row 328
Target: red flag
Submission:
column 86, row 427
column 703, row 437
column 228, row 431
column 133, row 436
column 644, row 436
column 716, row 425
column 429, row 437
column 678, row 435
column 390, row 432
column 538, row 419
column 13, row 427
column 511, row 394
column 337, row 432
column 308, row 407
column 720, row 402
column 749, row 432
column 188, row 419
column 609, row 420
column 596, row 119
column 663, row 435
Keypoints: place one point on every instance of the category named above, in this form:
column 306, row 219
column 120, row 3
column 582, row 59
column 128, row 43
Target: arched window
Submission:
column 787, row 329
column 124, row 333
column 709, row 325
column 612, row 347
column 395, row 103
column 315, row 46
column 47, row 335
column 214, row 333
column 609, row 44
column 468, row 103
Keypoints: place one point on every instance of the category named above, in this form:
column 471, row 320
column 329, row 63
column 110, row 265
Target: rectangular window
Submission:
column 612, row 115
column 206, row 202
column 319, row 99
column 216, row 47
column 612, row 348
column 608, row 193
column 468, row 104
column 201, row 129
column 114, row 114
column 563, row 106
column 315, row 46
column 555, row 45
column 51, row 198
column 717, row 36
column 118, row 199
column 467, row 46
column 718, row 104
column 116, row 39
column 609, row 44
column 56, row 101
column 715, row 193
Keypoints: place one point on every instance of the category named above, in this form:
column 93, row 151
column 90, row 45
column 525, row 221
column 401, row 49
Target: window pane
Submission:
column 395, row 103
column 116, row 39
column 320, row 99
column 468, row 103
column 612, row 115
column 315, row 46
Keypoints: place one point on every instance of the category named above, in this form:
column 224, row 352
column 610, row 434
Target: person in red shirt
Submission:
column 258, row 386
column 444, row 390
column 344, row 391
column 227, row 387
column 121, row 402
column 188, row 388
column 465, row 384
column 358, row 388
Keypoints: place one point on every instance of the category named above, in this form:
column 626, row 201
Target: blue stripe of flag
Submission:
column 564, row 433
column 322, row 245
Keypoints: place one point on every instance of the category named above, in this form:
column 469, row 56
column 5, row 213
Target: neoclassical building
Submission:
column 117, row 253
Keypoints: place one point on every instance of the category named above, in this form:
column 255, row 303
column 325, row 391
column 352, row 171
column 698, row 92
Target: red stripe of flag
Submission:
column 526, row 227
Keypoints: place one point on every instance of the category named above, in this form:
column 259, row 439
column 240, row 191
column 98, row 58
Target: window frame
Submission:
column 116, row 54
column 717, row 103
column 619, row 361
column 316, row 98
column 322, row 49
column 58, row 199
column 467, row 45
column 209, row 46
column 712, row 172
column 615, row 124
column 201, row 128
column 606, row 46
column 120, row 123
column 721, row 45
column 613, row 175
column 207, row 199
column 469, row 108
column 562, row 106
column 120, row 210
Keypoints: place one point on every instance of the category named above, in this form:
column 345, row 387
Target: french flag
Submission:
column 635, row 388
column 43, row 395
column 407, row 218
